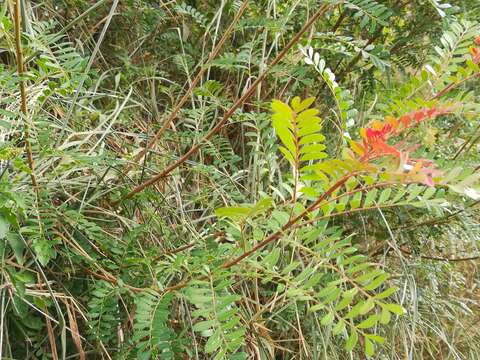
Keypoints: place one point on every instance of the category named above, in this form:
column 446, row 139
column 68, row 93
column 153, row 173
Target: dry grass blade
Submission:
column 74, row 331
column 51, row 339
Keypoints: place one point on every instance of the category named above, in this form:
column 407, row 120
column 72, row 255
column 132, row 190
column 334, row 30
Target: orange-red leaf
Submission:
column 475, row 55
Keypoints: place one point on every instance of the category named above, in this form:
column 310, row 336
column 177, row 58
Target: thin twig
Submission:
column 452, row 86
column 439, row 258
column 468, row 144
column 437, row 221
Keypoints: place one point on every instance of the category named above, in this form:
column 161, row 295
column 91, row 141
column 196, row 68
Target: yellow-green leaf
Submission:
column 314, row 148
column 312, row 138
column 369, row 322
column 338, row 328
column 385, row 317
column 395, row 308
column 369, row 348
column 376, row 338
column 386, row 293
column 352, row 341
column 295, row 103
column 233, row 211
column 300, row 106
column 308, row 115
column 327, row 319
column 280, row 107
column 313, row 156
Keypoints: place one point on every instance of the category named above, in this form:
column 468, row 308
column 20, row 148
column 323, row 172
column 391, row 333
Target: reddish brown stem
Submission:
column 340, row 19
column 452, row 86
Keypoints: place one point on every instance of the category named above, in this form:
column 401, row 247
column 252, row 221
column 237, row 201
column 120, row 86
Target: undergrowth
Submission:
column 239, row 179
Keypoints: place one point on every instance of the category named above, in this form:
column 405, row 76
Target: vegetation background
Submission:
column 157, row 202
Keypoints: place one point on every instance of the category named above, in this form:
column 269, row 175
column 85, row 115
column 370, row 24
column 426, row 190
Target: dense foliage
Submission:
column 239, row 179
